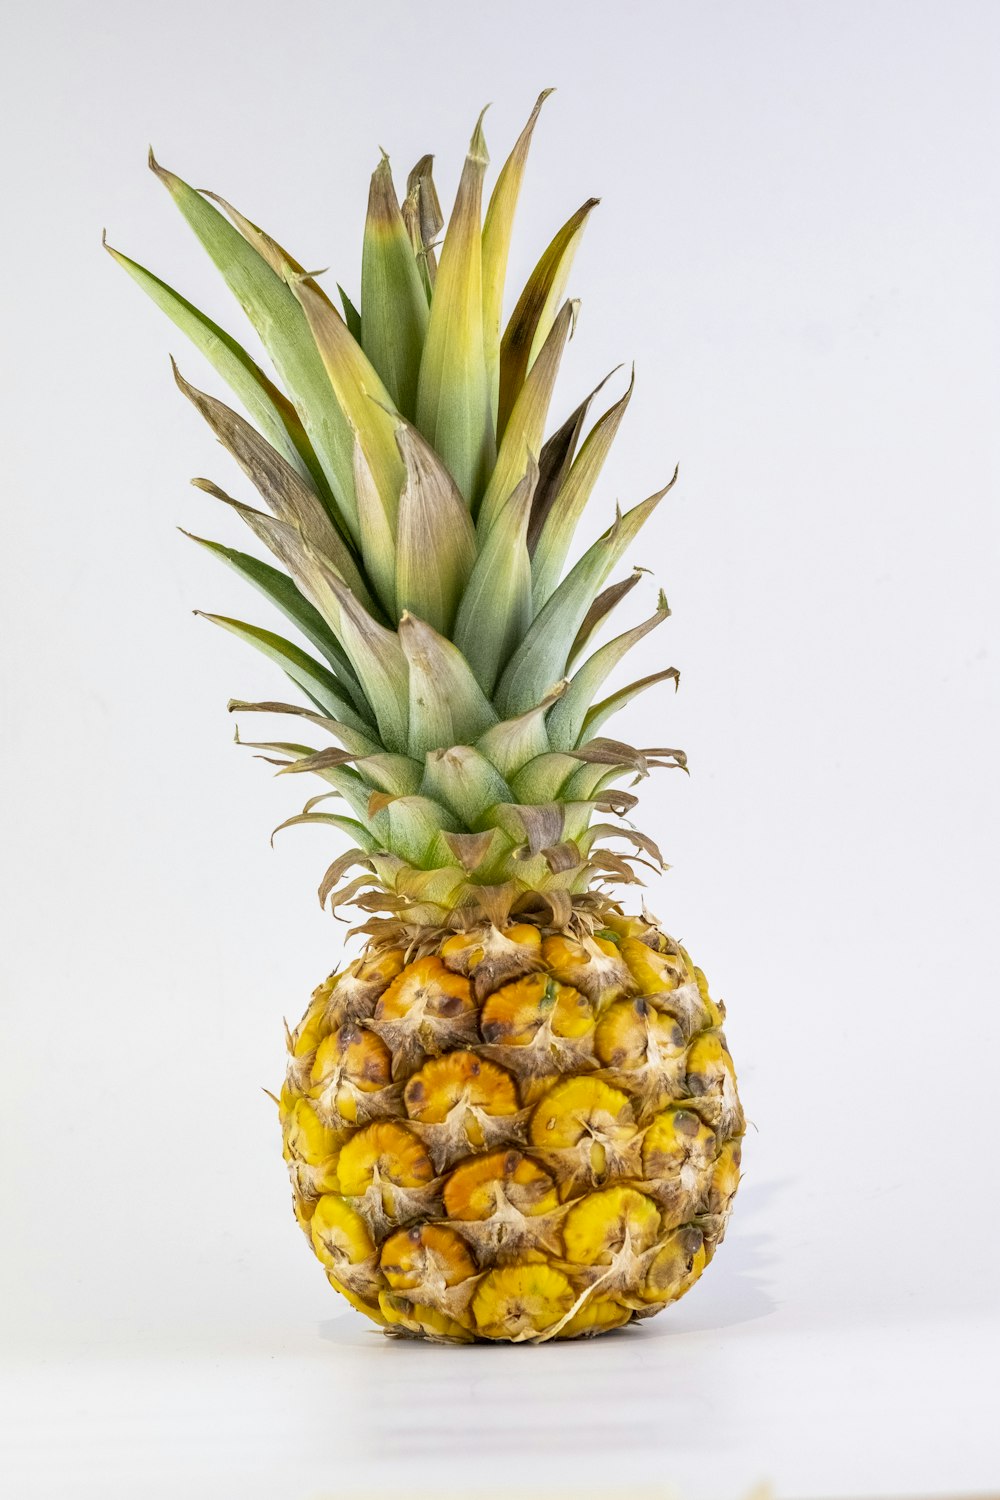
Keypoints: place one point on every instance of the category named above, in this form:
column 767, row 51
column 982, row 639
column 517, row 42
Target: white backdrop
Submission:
column 797, row 243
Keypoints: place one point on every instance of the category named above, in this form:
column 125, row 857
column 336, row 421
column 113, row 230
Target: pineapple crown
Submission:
column 423, row 522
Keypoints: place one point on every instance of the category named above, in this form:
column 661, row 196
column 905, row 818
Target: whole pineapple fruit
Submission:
column 514, row 1116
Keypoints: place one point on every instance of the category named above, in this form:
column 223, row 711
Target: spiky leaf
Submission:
column 497, row 230
column 280, row 325
column 495, row 611
column 523, row 436
column 393, row 299
column 315, row 680
column 453, row 399
column 446, row 704
column 542, row 655
column 435, row 547
column 570, row 720
column 567, row 504
column 536, row 308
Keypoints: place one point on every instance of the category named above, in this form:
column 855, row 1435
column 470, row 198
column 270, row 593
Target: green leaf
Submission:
column 526, row 429
column 312, row 761
column 377, row 658
column 378, row 540
column 414, row 823
column 398, row 775
column 316, row 680
column 276, row 256
column 453, row 398
column 568, row 721
column 351, row 315
column 447, row 705
column 282, row 592
column 592, row 778
column 363, row 398
column 535, row 311
column 361, row 743
column 568, row 504
column 279, row 322
column 495, row 611
column 602, row 606
column 356, row 793
column 512, row 743
column 555, row 461
column 435, row 541
column 423, row 219
column 611, row 705
column 542, row 779
column 393, row 299
column 288, row 546
column 541, row 658
column 277, row 482
column 465, row 780
column 353, row 829
column 267, row 405
column 497, row 231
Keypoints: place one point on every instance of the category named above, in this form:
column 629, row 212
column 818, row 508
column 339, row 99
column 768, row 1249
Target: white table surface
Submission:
column 730, row 1390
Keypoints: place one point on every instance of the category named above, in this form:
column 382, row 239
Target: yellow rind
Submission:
column 555, row 1159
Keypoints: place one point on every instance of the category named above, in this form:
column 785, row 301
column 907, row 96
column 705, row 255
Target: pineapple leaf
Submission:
column 447, row 705
column 526, row 429
column 317, row 681
column 350, row 826
column 399, row 775
column 393, row 298
column 346, row 861
column 423, row 219
column 266, row 404
column 279, row 323
column 567, row 720
column 317, row 760
column 602, row 606
column 378, row 660
column 495, row 611
column 414, row 823
column 470, row 849
column 278, row 258
column 283, row 592
column 512, row 743
column 278, row 484
column 567, row 505
column 542, row 779
column 536, row 309
column 497, row 230
column 351, row 315
column 453, row 399
column 363, row 399
column 356, row 792
column 611, row 705
column 378, row 541
column 541, row 656
column 287, row 544
column 435, row 540
column 555, row 460
column 466, row 781
column 352, row 739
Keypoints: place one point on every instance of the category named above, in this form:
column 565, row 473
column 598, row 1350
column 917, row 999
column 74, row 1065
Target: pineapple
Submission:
column 513, row 1115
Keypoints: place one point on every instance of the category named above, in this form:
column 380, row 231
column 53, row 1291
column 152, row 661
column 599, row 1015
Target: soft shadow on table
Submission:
column 734, row 1289
column 484, row 1388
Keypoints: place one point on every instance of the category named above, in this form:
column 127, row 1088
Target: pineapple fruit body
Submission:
column 513, row 1134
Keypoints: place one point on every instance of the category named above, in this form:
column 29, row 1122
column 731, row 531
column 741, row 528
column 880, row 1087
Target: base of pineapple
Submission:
column 517, row 1134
